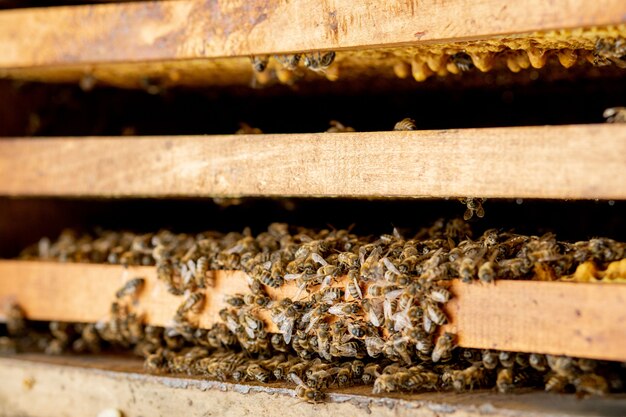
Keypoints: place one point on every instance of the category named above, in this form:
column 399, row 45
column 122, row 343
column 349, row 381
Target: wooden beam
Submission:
column 37, row 385
column 577, row 319
column 517, row 162
column 165, row 30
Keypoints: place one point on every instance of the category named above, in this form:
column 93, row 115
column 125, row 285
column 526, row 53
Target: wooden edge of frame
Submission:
column 576, row 319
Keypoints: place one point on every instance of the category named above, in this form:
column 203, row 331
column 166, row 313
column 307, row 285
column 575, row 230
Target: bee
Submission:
column 359, row 329
column 490, row 359
column 353, row 288
column 332, row 294
column 615, row 114
column 474, row 207
column 236, row 300
column 349, row 349
column 319, row 378
column 348, row 260
column 462, row 61
column 338, row 127
column 194, row 303
column 282, row 369
column 556, row 382
column 202, row 276
column 384, row 383
column 486, row 272
column 561, row 365
column 463, row 379
column 344, row 309
column 344, row 375
column 439, row 295
column 610, row 50
column 132, row 288
column 15, row 320
column 374, row 345
column 257, row 372
column 370, row 373
column 289, row 62
column 165, row 273
column 435, row 314
column 590, row 383
column 259, row 63
column 246, row 129
column 443, row 347
column 308, row 394
column 538, row 362
column 405, row 124
column 507, row 359
column 504, row 381
column 319, row 61
column 271, row 281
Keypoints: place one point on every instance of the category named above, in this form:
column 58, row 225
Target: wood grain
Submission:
column 146, row 31
column 576, row 162
column 35, row 385
column 577, row 319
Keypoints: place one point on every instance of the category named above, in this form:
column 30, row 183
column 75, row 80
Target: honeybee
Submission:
column 490, row 359
column 504, row 382
column 462, row 61
column 259, row 63
column 353, row 288
column 236, row 300
column 556, row 382
column 405, row 124
column 308, row 394
column 474, row 207
column 435, row 314
column 194, row 303
column 538, row 362
column 486, row 272
column 443, row 347
column 319, row 61
column 615, row 115
column 374, row 345
column 349, row 349
column 507, row 359
column 338, row 127
column 562, row 365
column 15, row 320
column 289, row 62
column 466, row 378
column 370, row 373
column 384, row 383
column 344, row 309
column 344, row 375
column 132, row 288
column 590, row 383
column 257, row 372
column 439, row 294
column 610, row 50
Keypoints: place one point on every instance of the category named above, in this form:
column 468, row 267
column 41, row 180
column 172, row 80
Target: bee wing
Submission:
column 392, row 295
column 388, row 309
column 296, row 379
column 358, row 288
column 346, row 295
column 249, row 332
column 192, row 267
column 292, row 277
column 347, row 348
column 313, row 323
column 286, row 328
column 326, row 282
column 390, row 266
column 317, row 258
column 402, row 321
column 336, row 309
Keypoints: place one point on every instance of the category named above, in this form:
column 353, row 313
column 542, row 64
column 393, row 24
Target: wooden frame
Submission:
column 517, row 162
column 165, row 30
column 46, row 386
column 577, row 319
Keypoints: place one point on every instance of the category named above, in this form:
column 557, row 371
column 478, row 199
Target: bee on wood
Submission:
column 465, row 379
column 259, row 63
column 561, row 365
column 490, row 359
column 439, row 295
column 384, row 383
column 289, row 62
column 15, row 320
column 556, row 382
column 344, row 309
column 193, row 303
column 443, row 347
column 538, row 362
column 132, row 288
column 319, row 61
column 282, row 370
column 306, row 393
column 435, row 314
column 462, row 61
column 615, row 115
column 370, row 373
column 507, row 359
column 474, row 207
column 338, row 127
column 165, row 273
column 405, row 124
column 486, row 272
column 257, row 372
column 236, row 300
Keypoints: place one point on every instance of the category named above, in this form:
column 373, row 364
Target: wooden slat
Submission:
column 584, row 161
column 585, row 320
column 207, row 29
column 34, row 385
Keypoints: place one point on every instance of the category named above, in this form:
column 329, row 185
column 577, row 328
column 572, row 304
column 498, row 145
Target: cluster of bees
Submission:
column 366, row 309
column 286, row 67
